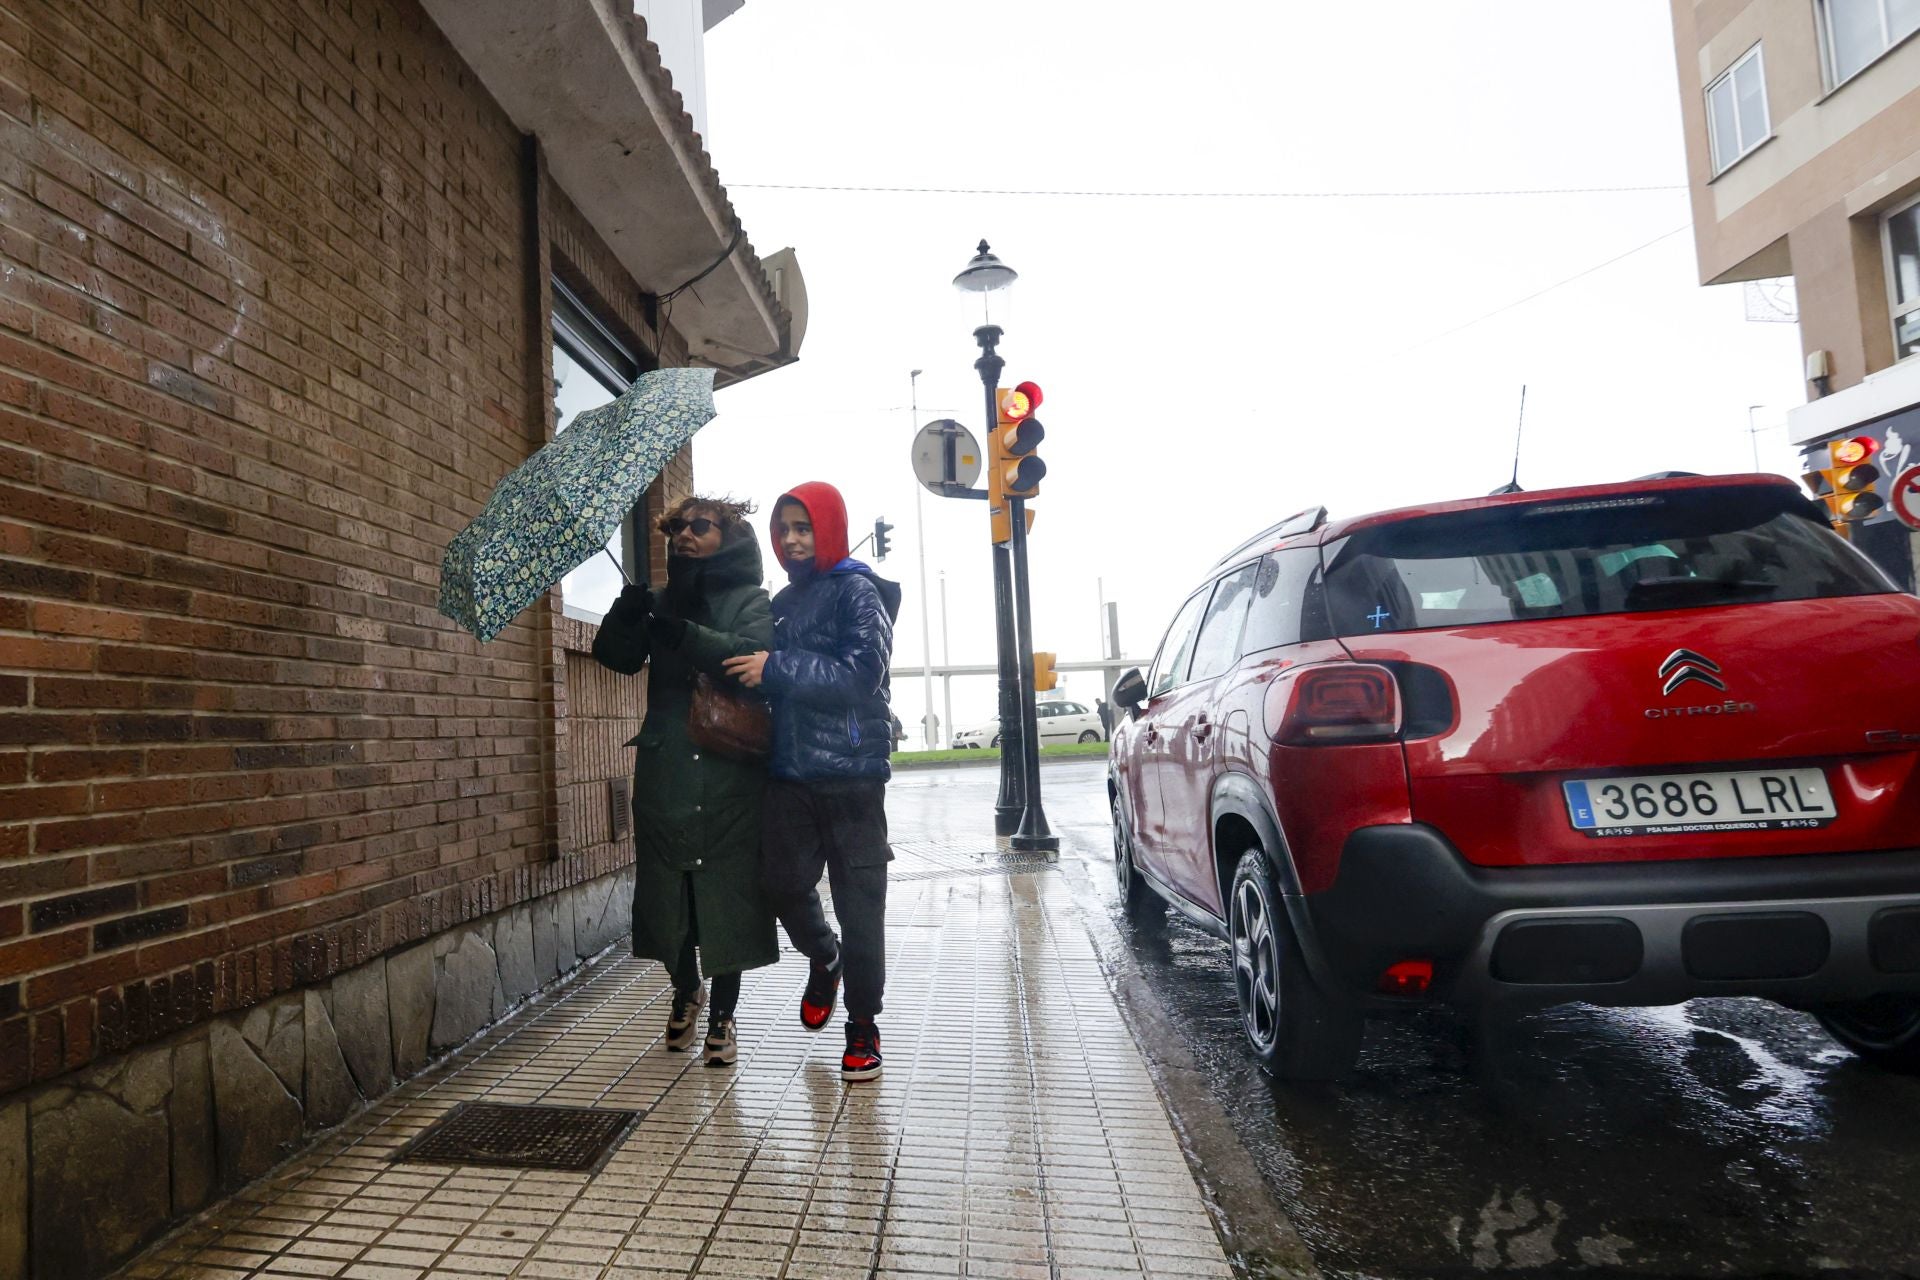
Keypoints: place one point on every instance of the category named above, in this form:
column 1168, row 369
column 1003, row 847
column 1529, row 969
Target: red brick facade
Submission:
column 273, row 319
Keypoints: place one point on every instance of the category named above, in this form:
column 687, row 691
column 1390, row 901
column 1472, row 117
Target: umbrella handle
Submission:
column 616, row 564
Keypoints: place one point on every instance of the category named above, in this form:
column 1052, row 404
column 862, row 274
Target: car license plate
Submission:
column 1679, row 803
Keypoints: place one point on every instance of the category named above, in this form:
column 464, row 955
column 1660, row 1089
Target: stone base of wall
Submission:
column 95, row 1164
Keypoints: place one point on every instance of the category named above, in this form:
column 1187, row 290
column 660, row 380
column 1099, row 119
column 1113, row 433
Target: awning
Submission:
column 582, row 77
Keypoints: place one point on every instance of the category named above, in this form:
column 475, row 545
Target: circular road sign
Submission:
column 1905, row 497
column 946, row 456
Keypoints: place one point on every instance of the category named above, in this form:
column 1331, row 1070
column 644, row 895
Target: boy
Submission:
column 832, row 733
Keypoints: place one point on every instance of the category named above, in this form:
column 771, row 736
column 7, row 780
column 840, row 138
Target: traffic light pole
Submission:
column 1010, row 807
column 1034, row 836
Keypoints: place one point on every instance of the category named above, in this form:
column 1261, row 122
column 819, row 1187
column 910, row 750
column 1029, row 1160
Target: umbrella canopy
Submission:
column 560, row 506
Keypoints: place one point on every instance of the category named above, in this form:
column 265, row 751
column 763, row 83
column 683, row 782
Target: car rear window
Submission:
column 1678, row 549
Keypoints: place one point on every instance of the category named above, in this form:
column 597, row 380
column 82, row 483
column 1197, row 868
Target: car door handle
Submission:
column 1201, row 728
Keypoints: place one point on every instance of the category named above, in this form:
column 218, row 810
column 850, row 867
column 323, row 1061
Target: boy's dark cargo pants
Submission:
column 841, row 827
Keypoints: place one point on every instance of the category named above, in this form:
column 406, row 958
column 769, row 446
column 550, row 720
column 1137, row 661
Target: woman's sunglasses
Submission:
column 700, row 525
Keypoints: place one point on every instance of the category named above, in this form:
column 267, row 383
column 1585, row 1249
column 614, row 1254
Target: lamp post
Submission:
column 986, row 275
column 1019, row 812
column 927, row 718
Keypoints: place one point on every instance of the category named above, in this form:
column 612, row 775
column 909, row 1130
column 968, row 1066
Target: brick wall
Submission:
column 272, row 322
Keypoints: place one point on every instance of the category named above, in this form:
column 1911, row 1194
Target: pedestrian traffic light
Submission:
column 880, row 542
column 1044, row 676
column 1846, row 483
column 1017, row 469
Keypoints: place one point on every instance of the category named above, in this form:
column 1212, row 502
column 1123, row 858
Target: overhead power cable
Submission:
column 1540, row 293
column 1202, row 195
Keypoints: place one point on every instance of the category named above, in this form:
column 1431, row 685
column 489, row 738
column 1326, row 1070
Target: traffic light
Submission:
column 1044, row 676
column 1016, row 469
column 880, row 542
column 1846, row 484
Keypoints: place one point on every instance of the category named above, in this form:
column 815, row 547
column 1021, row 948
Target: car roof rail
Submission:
column 1669, row 475
column 1299, row 522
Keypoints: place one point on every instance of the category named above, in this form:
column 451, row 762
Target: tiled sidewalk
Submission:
column 1014, row 1134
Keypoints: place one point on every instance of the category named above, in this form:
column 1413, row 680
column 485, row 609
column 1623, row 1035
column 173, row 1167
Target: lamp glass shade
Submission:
column 985, row 273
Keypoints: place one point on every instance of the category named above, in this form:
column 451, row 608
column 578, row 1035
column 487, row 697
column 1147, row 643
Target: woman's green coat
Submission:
column 696, row 815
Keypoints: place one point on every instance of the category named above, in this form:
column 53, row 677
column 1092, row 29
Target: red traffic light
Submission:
column 1031, row 390
column 1850, row 453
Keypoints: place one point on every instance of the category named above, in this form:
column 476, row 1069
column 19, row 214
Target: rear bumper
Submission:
column 1803, row 930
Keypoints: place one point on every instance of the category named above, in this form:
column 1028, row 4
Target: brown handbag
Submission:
column 735, row 725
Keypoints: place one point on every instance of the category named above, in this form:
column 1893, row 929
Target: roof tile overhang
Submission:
column 582, row 77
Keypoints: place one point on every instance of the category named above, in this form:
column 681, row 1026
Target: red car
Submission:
column 1624, row 744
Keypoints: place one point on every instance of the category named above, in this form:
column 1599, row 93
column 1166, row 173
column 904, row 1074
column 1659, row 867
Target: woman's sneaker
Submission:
column 823, row 991
column 721, row 1049
column 862, row 1058
column 682, row 1016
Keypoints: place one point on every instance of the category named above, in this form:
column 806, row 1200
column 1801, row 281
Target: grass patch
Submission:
column 1064, row 750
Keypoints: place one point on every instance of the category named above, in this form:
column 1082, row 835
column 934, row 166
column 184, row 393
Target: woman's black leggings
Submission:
column 724, row 988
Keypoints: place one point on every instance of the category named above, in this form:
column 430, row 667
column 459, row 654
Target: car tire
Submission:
column 1089, row 735
column 1295, row 1029
column 1137, row 899
column 996, row 742
column 1884, row 1030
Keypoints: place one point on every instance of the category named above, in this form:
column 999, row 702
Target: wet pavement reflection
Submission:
column 1720, row 1137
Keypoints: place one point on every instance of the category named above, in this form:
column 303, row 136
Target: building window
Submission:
column 1856, row 32
column 1737, row 110
column 1903, row 278
column 590, row 367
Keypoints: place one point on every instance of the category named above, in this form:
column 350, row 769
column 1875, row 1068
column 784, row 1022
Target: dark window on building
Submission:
column 590, row 367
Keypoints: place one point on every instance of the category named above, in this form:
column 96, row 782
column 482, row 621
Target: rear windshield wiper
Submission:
column 1650, row 589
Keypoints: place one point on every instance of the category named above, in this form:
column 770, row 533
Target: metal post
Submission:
column 1034, row 835
column 1010, row 805
column 946, row 659
column 926, row 629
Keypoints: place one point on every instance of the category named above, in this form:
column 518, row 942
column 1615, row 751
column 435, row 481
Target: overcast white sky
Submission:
column 1213, row 364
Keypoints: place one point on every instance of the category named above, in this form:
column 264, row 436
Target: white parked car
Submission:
column 1058, row 722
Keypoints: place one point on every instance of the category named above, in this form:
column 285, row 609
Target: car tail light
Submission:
column 1341, row 702
column 1407, row 978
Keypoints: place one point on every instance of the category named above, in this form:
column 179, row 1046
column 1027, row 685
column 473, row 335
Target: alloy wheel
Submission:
column 1256, row 965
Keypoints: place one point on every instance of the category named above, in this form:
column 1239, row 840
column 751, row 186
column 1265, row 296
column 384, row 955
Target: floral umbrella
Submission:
column 559, row 507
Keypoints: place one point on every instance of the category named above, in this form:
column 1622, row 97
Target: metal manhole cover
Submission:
column 932, row 859
column 501, row 1135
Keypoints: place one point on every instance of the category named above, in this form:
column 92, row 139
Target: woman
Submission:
column 696, row 814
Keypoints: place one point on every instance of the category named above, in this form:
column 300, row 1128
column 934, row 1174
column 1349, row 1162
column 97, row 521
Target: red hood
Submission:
column 829, row 512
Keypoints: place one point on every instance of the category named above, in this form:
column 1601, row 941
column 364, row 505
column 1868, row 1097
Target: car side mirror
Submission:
column 1130, row 690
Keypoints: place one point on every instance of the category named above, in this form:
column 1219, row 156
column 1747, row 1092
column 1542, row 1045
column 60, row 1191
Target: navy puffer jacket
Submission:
column 832, row 641
column 827, row 675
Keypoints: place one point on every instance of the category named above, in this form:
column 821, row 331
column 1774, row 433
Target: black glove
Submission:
column 634, row 603
column 666, row 632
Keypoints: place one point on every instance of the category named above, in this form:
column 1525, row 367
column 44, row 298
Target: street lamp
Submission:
column 985, row 274
column 1017, row 812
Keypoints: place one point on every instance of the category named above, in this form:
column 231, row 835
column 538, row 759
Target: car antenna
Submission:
column 1513, row 485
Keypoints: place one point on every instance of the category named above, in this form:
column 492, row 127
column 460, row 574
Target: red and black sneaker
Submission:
column 861, row 1061
column 823, row 990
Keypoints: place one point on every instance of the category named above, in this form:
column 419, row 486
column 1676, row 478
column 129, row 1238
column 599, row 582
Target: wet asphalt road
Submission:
column 1717, row 1138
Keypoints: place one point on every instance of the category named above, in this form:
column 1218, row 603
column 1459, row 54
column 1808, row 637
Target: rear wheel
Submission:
column 1884, row 1030
column 1296, row 1030
column 1141, row 904
column 1089, row 735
